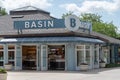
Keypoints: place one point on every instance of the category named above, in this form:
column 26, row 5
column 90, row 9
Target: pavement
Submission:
column 96, row 74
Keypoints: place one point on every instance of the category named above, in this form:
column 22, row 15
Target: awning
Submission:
column 50, row 39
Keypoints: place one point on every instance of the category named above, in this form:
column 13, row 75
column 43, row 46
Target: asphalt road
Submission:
column 97, row 74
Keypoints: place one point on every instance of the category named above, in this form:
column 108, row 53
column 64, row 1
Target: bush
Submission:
column 3, row 70
column 112, row 65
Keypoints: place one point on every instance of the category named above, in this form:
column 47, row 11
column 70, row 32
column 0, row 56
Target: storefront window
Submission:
column 119, row 52
column 83, row 54
column 1, row 55
column 11, row 54
column 80, row 47
column 80, row 57
column 106, row 53
column 96, row 54
column 87, row 47
column 1, row 47
column 88, row 56
column 11, row 47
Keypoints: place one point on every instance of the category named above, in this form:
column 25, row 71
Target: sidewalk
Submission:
column 97, row 74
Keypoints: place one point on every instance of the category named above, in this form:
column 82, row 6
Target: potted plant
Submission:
column 8, row 66
column 3, row 74
column 102, row 64
column 83, row 66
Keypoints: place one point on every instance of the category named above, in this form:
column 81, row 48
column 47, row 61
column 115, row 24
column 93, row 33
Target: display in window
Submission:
column 11, row 55
column 1, row 55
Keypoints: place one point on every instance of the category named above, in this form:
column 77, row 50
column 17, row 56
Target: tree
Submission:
column 99, row 26
column 67, row 14
column 91, row 17
column 3, row 11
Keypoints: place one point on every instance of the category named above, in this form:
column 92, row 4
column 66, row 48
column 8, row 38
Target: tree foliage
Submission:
column 67, row 14
column 100, row 26
column 3, row 11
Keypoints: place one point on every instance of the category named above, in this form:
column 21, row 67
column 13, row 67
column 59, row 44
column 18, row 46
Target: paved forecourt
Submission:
column 97, row 74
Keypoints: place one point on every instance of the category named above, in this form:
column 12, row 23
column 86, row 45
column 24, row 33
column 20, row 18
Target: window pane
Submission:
column 11, row 47
column 87, row 47
column 80, row 47
column 95, row 47
column 88, row 56
column 95, row 57
column 12, row 62
column 80, row 57
column 1, row 47
column 11, row 55
column 1, row 63
column 1, row 55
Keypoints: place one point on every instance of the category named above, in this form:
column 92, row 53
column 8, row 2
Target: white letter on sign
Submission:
column 33, row 25
column 72, row 22
column 27, row 24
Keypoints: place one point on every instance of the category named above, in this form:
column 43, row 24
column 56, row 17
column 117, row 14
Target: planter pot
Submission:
column 102, row 65
column 8, row 66
column 3, row 76
column 83, row 67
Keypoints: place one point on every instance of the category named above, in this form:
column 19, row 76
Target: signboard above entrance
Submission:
column 71, row 22
column 39, row 24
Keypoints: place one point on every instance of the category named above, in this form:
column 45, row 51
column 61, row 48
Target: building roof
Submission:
column 51, row 39
column 107, row 38
column 7, row 27
column 27, row 9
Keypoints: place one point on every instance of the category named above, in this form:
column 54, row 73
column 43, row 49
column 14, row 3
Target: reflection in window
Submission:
column 105, row 53
column 83, row 54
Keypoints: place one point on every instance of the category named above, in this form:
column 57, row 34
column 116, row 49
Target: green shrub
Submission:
column 3, row 70
column 112, row 65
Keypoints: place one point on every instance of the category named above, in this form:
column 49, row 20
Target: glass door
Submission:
column 29, row 57
column 56, row 57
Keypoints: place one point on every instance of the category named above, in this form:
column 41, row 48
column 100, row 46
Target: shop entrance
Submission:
column 29, row 57
column 56, row 57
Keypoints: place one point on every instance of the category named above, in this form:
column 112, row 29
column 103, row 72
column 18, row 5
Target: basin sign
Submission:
column 70, row 22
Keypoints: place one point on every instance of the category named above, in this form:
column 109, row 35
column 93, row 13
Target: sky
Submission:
column 108, row 9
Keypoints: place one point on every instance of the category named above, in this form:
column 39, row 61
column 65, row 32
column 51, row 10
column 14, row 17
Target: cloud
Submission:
column 13, row 4
column 93, row 6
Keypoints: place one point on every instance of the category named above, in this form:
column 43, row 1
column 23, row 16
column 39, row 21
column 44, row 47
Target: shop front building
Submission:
column 33, row 40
